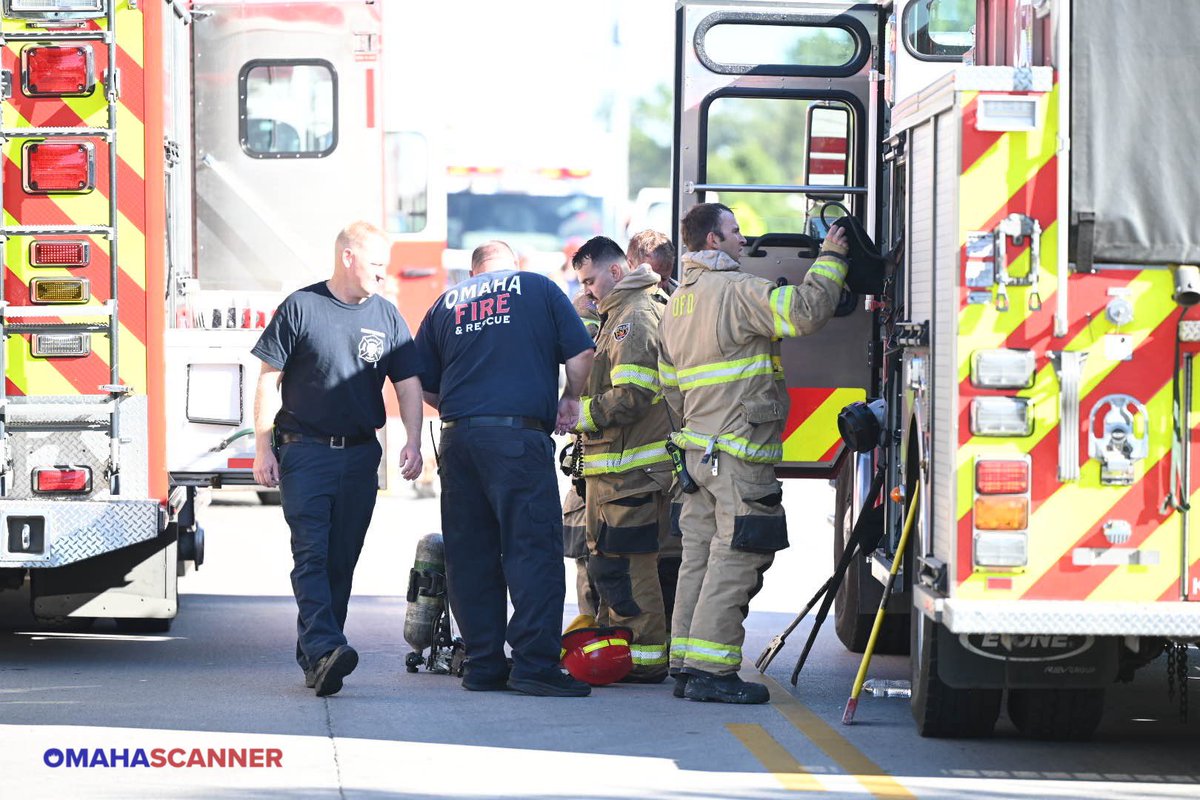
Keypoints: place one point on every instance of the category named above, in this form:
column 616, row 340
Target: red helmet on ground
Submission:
column 597, row 656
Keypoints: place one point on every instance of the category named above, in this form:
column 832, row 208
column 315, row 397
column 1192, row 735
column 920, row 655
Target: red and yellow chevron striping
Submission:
column 35, row 376
column 1015, row 172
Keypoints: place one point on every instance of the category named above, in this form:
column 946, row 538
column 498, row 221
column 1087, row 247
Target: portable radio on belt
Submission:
column 685, row 479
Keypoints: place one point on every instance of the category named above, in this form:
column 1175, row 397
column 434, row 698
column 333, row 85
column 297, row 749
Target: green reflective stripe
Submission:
column 649, row 654
column 835, row 264
column 631, row 374
column 825, row 272
column 666, row 374
column 714, row 652
column 766, row 453
column 586, row 423
column 725, row 372
column 601, row 643
column 781, row 306
column 647, row 454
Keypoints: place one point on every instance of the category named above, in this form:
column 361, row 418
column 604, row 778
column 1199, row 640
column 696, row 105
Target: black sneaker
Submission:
column 681, row 682
column 332, row 667
column 473, row 683
column 310, row 677
column 557, row 684
column 725, row 689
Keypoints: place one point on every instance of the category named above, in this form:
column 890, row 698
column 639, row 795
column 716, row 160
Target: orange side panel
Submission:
column 416, row 278
column 156, row 232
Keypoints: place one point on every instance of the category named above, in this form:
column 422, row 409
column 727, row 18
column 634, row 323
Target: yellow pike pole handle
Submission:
column 852, row 703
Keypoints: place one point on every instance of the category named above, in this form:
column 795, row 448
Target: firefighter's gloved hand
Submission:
column 867, row 269
column 836, row 241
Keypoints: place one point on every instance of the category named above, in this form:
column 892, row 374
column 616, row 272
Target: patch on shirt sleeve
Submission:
column 620, row 332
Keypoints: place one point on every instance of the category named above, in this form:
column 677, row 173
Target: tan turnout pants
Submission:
column 626, row 514
column 716, row 581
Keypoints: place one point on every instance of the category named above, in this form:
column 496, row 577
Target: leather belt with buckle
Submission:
column 530, row 423
column 336, row 442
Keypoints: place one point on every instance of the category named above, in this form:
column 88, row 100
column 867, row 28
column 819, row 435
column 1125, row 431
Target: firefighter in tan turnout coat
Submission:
column 721, row 374
column 625, row 462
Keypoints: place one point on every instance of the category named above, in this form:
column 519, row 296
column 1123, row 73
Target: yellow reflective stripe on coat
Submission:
column 833, row 269
column 601, row 643
column 586, row 423
column 765, row 452
column 666, row 374
column 701, row 650
column 647, row 454
column 649, row 654
column 633, row 375
column 781, row 304
column 725, row 371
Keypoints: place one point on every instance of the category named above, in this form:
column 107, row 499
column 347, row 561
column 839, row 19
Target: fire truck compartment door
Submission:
column 288, row 139
column 753, row 82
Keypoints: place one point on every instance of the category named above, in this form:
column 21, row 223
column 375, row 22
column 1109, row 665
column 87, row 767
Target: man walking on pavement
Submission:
column 330, row 347
column 490, row 349
column 719, row 370
column 625, row 461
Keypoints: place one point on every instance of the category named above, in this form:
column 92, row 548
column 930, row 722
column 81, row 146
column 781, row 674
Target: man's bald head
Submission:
column 493, row 256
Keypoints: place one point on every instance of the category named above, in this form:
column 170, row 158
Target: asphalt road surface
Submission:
column 224, row 679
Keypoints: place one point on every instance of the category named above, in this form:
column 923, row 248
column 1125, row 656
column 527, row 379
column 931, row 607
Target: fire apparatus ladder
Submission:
column 102, row 409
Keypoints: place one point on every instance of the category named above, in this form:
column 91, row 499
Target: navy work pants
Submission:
column 328, row 497
column 503, row 532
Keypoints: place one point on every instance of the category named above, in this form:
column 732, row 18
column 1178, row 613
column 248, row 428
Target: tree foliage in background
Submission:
column 750, row 141
column 651, row 126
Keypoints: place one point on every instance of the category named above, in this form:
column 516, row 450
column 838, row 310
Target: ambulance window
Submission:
column 287, row 108
column 939, row 30
column 406, row 176
column 767, row 46
column 760, row 141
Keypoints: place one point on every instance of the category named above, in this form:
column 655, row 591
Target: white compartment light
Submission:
column 1002, row 369
column 1001, row 416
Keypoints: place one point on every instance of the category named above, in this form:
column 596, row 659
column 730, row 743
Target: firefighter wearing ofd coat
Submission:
column 625, row 462
column 721, row 374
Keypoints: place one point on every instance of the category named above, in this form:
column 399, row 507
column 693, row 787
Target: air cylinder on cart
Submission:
column 426, row 597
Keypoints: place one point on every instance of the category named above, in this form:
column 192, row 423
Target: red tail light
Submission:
column 58, row 166
column 57, row 71
column 59, row 253
column 1002, row 477
column 62, row 480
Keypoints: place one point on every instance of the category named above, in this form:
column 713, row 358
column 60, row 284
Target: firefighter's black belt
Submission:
column 336, row 442
column 532, row 423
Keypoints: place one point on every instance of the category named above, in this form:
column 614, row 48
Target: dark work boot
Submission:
column 332, row 668
column 681, row 682
column 725, row 689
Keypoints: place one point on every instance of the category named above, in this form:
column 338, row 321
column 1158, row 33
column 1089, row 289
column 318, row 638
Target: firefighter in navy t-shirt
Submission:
column 335, row 343
column 490, row 349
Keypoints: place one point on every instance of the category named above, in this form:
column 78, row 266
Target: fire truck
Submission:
column 537, row 195
column 171, row 171
column 1024, row 382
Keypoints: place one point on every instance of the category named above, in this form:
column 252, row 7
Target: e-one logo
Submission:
column 1025, row 647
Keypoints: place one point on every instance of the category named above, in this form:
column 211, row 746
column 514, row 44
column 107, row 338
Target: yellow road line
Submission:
column 848, row 757
column 790, row 773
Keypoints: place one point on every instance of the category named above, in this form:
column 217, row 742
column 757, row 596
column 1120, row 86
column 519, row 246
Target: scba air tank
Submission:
column 426, row 597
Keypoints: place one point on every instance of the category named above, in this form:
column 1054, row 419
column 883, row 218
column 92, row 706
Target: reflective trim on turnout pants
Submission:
column 626, row 515
column 716, row 582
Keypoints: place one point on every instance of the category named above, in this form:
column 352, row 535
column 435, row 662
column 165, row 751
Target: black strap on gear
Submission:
column 868, row 531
